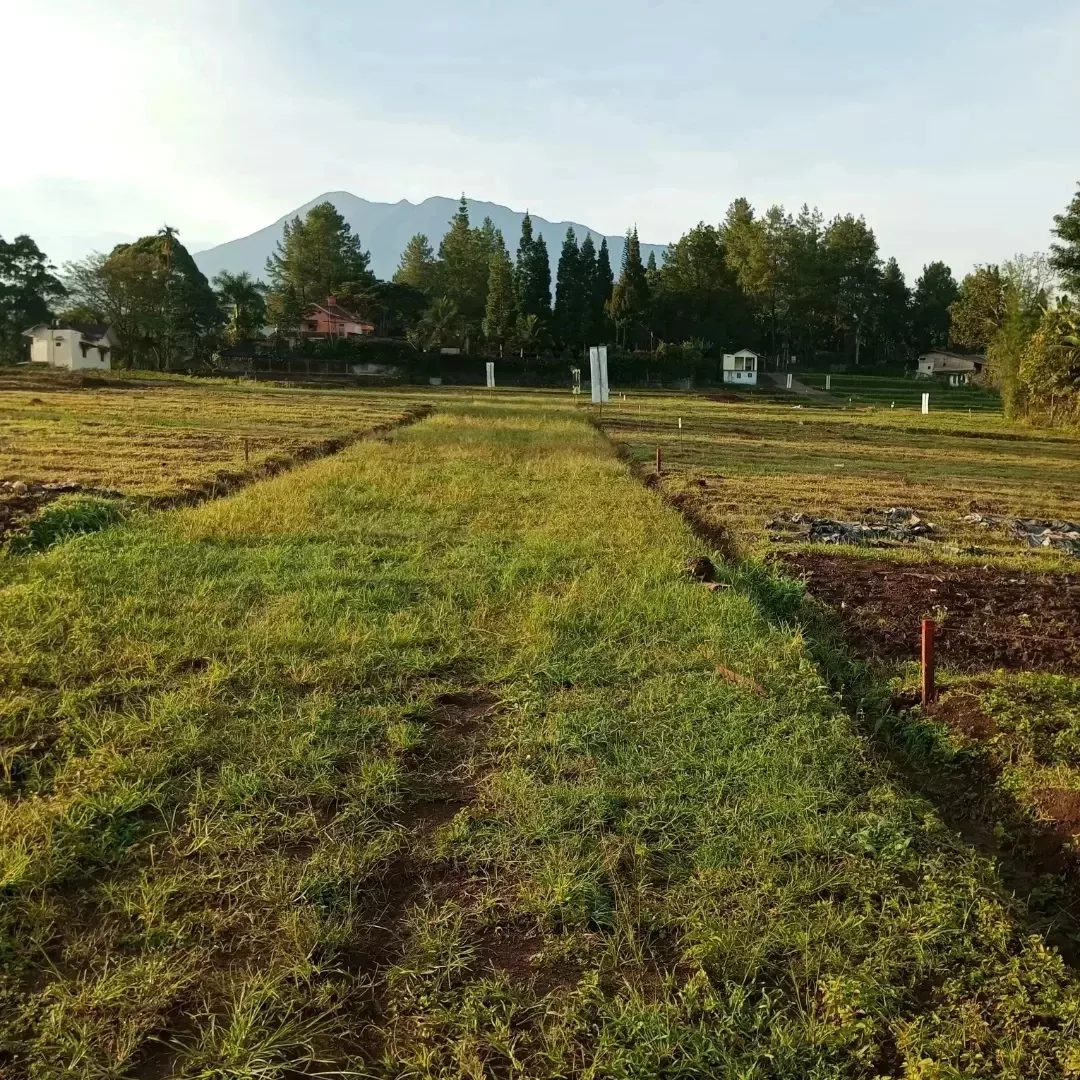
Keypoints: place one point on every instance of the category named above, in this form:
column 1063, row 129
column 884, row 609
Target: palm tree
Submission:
column 529, row 329
column 442, row 322
column 243, row 304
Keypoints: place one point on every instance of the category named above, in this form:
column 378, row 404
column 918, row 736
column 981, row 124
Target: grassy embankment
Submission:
column 417, row 761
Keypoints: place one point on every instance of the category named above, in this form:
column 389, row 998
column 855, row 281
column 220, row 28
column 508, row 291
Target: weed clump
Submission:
column 68, row 516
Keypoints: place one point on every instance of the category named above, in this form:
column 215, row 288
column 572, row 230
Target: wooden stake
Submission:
column 659, row 462
column 929, row 691
column 245, row 449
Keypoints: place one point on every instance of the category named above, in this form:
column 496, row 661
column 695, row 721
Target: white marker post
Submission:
column 491, row 374
column 598, row 374
column 828, row 382
column 926, row 404
column 576, row 373
column 789, row 380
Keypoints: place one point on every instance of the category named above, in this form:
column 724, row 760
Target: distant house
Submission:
column 331, row 320
column 957, row 367
column 741, row 367
column 75, row 346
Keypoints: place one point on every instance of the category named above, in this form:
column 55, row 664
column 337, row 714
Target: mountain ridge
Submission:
column 385, row 228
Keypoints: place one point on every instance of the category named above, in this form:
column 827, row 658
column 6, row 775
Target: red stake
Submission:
column 929, row 693
column 659, row 465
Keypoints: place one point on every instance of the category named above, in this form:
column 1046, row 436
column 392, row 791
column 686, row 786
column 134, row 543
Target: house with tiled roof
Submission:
column 331, row 320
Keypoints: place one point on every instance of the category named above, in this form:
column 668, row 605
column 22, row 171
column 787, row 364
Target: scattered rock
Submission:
column 19, row 487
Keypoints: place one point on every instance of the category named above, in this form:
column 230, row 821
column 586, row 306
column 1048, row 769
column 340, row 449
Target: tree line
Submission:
column 787, row 285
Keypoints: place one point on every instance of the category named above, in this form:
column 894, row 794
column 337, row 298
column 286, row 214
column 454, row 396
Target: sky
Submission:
column 950, row 124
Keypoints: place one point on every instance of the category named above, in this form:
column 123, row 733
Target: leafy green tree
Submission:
column 529, row 334
column 442, row 325
column 465, row 263
column 853, row 272
column 1048, row 377
column 243, row 305
column 935, row 292
column 697, row 296
column 1065, row 256
column 892, row 322
column 568, row 292
column 29, row 288
column 532, row 273
column 978, row 311
column 417, row 267
column 157, row 300
column 317, row 257
column 501, row 311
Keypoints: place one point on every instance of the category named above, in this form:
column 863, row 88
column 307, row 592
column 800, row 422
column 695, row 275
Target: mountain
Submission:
column 385, row 228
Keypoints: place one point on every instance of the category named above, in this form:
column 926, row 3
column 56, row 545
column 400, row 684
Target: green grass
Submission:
column 246, row 833
column 906, row 393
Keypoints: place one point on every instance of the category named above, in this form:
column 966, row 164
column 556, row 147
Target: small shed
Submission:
column 741, row 367
column 956, row 367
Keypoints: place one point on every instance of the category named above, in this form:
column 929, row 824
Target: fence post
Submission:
column 929, row 692
column 245, row 450
column 659, row 462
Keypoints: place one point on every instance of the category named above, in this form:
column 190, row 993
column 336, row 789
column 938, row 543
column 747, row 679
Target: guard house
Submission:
column 741, row 367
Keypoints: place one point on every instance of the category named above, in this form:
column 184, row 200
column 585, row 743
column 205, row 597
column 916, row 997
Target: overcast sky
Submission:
column 951, row 124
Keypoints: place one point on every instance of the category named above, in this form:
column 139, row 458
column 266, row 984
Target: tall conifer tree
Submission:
column 586, row 281
column 568, row 292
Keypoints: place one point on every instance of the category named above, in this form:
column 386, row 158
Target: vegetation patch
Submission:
column 429, row 759
column 68, row 516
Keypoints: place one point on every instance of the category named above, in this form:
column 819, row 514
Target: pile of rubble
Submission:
column 896, row 525
column 31, row 489
column 1035, row 532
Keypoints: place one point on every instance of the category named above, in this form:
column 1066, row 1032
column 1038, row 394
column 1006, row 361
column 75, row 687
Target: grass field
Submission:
column 161, row 437
column 742, row 465
column 905, row 393
column 427, row 760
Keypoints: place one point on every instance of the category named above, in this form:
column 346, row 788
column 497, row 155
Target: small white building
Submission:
column 741, row 367
column 75, row 346
column 957, row 367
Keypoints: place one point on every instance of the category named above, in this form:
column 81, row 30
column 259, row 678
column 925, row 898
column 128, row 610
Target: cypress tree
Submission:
column 532, row 274
column 630, row 298
column 603, row 283
column 539, row 280
column 586, row 282
column 568, row 292
column 522, row 265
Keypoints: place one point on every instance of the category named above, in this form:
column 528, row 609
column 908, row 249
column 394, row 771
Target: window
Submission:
column 740, row 363
column 58, row 341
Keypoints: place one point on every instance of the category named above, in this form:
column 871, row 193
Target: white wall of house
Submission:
column 741, row 368
column 64, row 349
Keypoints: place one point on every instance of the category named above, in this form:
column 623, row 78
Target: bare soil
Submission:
column 987, row 618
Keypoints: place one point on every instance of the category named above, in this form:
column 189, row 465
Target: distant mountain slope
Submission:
column 385, row 228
